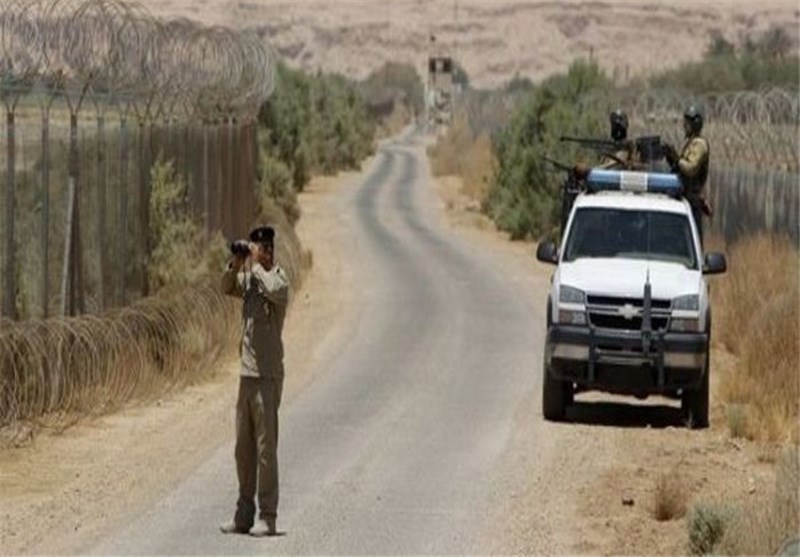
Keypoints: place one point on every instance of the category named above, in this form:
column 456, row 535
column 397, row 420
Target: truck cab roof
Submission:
column 633, row 201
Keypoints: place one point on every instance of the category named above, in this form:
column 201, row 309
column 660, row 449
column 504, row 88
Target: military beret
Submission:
column 263, row 235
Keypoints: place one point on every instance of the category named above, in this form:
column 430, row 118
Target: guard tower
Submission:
column 439, row 91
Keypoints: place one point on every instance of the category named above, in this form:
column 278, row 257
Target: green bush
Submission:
column 762, row 61
column 314, row 124
column 275, row 184
column 173, row 235
column 707, row 524
column 391, row 83
column 524, row 198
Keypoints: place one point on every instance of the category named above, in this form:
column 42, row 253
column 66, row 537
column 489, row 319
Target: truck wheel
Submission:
column 695, row 402
column 556, row 395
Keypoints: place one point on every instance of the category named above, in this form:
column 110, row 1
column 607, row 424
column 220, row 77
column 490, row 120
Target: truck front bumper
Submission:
column 629, row 362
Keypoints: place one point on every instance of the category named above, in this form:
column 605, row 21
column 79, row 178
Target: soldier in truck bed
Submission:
column 624, row 157
column 692, row 165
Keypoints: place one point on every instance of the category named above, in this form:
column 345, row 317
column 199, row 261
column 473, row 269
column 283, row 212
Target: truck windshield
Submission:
column 631, row 234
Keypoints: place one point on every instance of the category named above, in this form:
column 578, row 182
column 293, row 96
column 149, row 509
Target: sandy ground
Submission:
column 589, row 486
column 65, row 490
column 492, row 39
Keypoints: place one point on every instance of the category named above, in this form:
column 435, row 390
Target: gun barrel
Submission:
column 591, row 142
column 557, row 164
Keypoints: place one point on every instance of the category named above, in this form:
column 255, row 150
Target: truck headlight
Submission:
column 690, row 302
column 572, row 317
column 683, row 325
column 570, row 295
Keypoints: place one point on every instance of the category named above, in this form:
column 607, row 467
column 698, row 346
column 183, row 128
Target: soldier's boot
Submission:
column 263, row 527
column 242, row 521
column 231, row 527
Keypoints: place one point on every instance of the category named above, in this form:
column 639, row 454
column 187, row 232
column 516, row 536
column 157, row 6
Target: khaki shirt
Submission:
column 625, row 158
column 693, row 164
column 265, row 294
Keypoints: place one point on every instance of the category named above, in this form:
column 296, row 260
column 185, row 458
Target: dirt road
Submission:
column 412, row 419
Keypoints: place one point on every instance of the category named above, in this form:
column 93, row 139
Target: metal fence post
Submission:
column 10, row 278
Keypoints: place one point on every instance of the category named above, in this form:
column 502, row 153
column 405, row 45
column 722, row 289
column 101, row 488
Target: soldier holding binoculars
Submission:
column 253, row 276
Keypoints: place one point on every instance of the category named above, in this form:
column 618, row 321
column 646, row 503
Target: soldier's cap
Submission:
column 263, row 235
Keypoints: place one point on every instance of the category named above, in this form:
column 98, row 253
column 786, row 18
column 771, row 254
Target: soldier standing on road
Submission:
column 264, row 289
column 692, row 165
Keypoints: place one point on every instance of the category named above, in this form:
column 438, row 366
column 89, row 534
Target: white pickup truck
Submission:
column 628, row 311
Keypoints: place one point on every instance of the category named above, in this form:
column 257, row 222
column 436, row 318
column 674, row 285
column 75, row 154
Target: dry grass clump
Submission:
column 460, row 152
column 763, row 529
column 670, row 497
column 757, row 313
column 707, row 524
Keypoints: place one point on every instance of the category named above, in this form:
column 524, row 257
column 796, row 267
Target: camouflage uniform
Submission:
column 265, row 297
column 692, row 165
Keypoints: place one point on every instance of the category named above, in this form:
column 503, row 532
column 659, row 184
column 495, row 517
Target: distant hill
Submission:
column 492, row 39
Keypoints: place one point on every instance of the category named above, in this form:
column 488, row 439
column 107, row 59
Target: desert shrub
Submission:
column 462, row 152
column 707, row 524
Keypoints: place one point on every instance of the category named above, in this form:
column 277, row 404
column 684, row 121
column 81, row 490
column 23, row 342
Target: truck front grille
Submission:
column 610, row 312
column 614, row 301
column 620, row 322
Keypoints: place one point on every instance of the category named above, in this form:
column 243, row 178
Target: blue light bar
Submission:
column 622, row 180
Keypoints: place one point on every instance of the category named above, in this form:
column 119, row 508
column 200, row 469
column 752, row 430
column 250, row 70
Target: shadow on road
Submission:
column 622, row 414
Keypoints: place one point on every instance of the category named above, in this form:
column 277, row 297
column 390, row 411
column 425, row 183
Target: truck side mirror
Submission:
column 547, row 252
column 714, row 264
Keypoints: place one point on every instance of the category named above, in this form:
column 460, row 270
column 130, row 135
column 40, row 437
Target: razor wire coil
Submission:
column 118, row 51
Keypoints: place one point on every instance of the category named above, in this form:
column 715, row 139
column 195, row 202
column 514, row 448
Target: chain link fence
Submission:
column 95, row 92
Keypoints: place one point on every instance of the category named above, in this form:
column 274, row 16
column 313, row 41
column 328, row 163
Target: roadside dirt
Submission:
column 589, row 486
column 65, row 490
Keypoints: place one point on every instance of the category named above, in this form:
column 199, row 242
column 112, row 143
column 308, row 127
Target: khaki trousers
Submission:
column 257, row 447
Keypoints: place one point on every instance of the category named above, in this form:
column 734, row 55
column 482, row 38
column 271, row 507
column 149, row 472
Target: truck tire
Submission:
column 694, row 403
column 556, row 396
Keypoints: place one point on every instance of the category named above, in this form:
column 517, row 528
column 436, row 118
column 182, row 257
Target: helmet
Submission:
column 693, row 116
column 619, row 124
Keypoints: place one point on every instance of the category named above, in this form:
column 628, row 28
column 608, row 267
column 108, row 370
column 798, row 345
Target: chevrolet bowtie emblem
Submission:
column 628, row 311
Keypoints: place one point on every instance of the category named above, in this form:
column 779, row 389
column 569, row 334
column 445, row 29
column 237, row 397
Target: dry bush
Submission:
column 446, row 154
column 478, row 167
column 738, row 424
column 462, row 153
column 757, row 313
column 763, row 529
column 400, row 116
column 670, row 497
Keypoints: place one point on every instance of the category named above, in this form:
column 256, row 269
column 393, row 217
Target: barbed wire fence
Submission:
column 95, row 91
column 754, row 178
